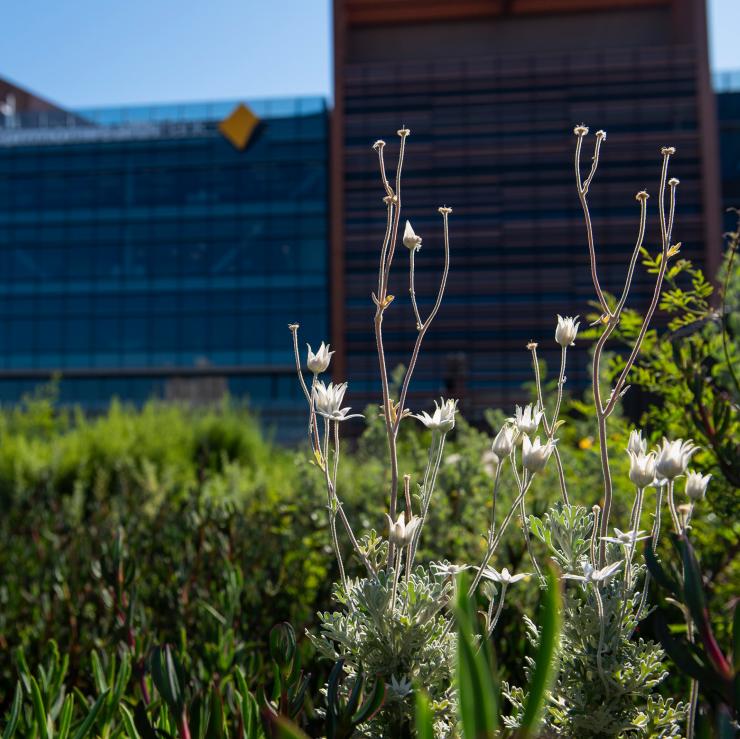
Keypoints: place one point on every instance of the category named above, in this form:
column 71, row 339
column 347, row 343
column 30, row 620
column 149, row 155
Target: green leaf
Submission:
column 545, row 667
column 128, row 722
column 249, row 708
column 65, row 718
column 287, row 729
column 424, row 716
column 477, row 699
column 98, row 673
column 88, row 723
column 372, row 703
column 39, row 710
column 15, row 711
column 216, row 722
column 167, row 677
column 658, row 573
column 283, row 646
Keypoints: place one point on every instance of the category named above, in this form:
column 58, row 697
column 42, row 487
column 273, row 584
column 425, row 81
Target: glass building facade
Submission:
column 142, row 254
column 728, row 115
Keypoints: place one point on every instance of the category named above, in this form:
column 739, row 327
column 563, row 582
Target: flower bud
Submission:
column 504, row 442
column 566, row 331
column 636, row 444
column 696, row 485
column 319, row 362
column 410, row 240
column 400, row 532
column 642, row 468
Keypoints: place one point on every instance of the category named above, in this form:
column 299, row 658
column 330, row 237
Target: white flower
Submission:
column 504, row 441
column 443, row 418
column 535, row 455
column 399, row 689
column 504, row 576
column 626, row 538
column 673, row 458
column 636, row 443
column 410, row 240
column 445, row 569
column 591, row 574
column 696, row 485
column 328, row 401
column 400, row 532
column 566, row 331
column 319, row 362
column 527, row 419
column 642, row 468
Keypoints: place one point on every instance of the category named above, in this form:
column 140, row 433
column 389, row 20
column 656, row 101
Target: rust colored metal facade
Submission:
column 491, row 90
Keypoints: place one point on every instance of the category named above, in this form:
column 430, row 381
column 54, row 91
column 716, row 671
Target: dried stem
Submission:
column 581, row 132
column 610, row 317
column 424, row 326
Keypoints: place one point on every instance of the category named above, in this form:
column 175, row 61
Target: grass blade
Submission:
column 545, row 667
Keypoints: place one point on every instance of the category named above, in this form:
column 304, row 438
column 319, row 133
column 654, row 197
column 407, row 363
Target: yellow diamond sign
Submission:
column 239, row 126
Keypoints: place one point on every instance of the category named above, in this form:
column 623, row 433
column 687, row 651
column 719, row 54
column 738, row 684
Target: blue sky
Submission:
column 99, row 52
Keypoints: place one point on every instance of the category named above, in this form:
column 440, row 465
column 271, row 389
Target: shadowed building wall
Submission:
column 491, row 91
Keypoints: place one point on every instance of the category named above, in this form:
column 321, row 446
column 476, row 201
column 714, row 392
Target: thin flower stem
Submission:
column 600, row 648
column 394, row 214
column 634, row 527
column 561, row 384
column 497, row 539
column 403, row 133
column 635, row 255
column 561, row 476
column 425, row 325
column 654, row 538
column 666, row 233
column 532, row 346
column 494, row 498
column 430, row 479
column 603, row 412
column 500, row 607
column 312, row 423
column 672, row 508
column 396, row 575
column 336, row 507
column 582, row 193
column 332, row 506
column 412, row 289
column 594, row 535
column 635, row 516
column 550, row 427
column 528, row 540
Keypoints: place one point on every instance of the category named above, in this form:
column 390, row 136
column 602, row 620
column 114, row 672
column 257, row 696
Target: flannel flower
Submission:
column 328, row 400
